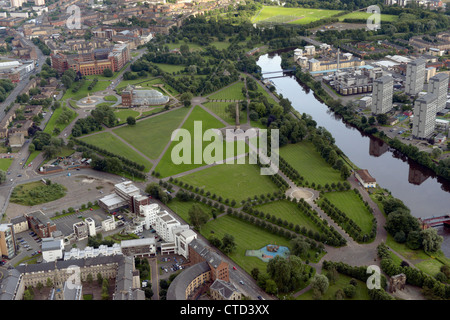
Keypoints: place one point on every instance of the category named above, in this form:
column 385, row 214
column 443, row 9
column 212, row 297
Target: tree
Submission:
column 131, row 121
column 108, row 73
column 197, row 216
column 228, row 244
column 320, row 283
column 255, row 273
column 436, row 153
column 431, row 241
column 382, row 118
column 2, row 176
column 299, row 246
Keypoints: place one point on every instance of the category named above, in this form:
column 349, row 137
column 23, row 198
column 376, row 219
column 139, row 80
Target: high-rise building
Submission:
column 415, row 76
column 424, row 120
column 17, row 3
column 7, row 240
column 383, row 89
column 39, row 2
column 439, row 86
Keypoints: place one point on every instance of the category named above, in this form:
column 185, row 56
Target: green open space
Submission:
column 365, row 15
column 170, row 68
column 167, row 166
column 181, row 208
column 123, row 114
column 349, row 203
column 152, row 111
column 246, row 237
column 83, row 91
column 232, row 181
column 5, row 163
column 34, row 193
column 52, row 122
column 342, row 281
column 109, row 142
column 272, row 14
column 33, row 155
column 308, row 162
column 110, row 98
column 289, row 211
column 150, row 136
column 220, row 109
column 232, row 92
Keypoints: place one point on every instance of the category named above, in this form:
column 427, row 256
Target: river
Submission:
column 418, row 187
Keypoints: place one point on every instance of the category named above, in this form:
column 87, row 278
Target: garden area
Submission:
column 34, row 193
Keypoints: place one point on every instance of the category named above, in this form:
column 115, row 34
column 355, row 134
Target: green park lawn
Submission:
column 307, row 161
column 349, row 203
column 246, row 237
column 150, row 136
column 181, row 208
column 366, row 15
column 232, row 181
column 342, row 281
column 32, row 155
column 278, row 14
column 152, row 111
column 123, row 114
column 110, row 98
column 51, row 124
column 219, row 108
column 287, row 210
column 83, row 91
column 167, row 166
column 5, row 163
column 232, row 92
column 170, row 68
column 109, row 142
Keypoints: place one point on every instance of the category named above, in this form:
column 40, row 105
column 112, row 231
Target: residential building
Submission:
column 90, row 252
column 7, row 240
column 80, row 230
column 91, row 226
column 415, row 76
column 222, row 290
column 439, row 86
column 109, row 224
column 424, row 120
column 139, row 247
column 383, row 89
column 52, row 249
column 20, row 224
column 366, row 180
column 40, row 224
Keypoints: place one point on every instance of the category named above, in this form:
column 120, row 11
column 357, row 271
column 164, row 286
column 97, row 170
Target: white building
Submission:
column 415, row 76
column 439, row 86
column 52, row 249
column 90, row 252
column 109, row 224
column 91, row 226
column 383, row 89
column 310, row 50
column 148, row 212
column 182, row 240
column 424, row 120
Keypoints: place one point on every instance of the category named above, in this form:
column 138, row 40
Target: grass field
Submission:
column 181, row 208
column 154, row 110
column 170, row 68
column 51, row 124
column 5, row 163
column 34, row 193
column 349, row 203
column 287, row 210
column 108, row 141
column 166, row 166
column 366, row 15
column 83, row 91
column 33, row 155
column 246, row 237
column 308, row 162
column 110, row 98
column 219, row 108
column 342, row 281
column 123, row 114
column 233, row 92
column 238, row 181
column 272, row 14
column 150, row 136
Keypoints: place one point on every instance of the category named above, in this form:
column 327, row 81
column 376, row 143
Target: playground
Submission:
column 269, row 252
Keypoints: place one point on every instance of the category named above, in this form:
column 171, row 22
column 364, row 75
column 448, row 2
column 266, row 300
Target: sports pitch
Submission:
column 270, row 14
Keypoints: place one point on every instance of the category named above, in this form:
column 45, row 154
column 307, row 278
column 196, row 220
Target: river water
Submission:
column 418, row 187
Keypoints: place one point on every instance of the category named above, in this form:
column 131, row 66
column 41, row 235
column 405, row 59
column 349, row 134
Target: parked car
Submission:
column 234, row 268
column 241, row 282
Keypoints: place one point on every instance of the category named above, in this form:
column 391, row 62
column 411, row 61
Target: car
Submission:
column 260, row 298
column 19, row 175
column 241, row 282
column 234, row 268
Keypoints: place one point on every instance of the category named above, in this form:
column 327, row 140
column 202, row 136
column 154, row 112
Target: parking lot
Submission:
column 65, row 223
column 169, row 264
